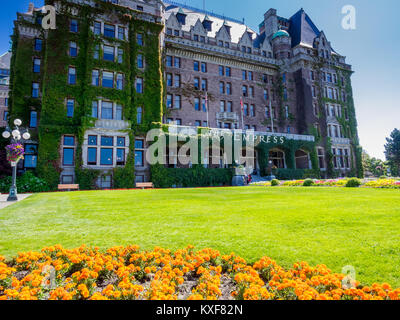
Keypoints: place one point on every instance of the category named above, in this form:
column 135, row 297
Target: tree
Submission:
column 373, row 166
column 392, row 151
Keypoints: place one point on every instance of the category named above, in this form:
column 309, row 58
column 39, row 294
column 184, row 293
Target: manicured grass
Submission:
column 333, row 226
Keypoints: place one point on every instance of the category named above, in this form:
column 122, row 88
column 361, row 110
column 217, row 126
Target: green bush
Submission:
column 353, row 183
column 275, row 183
column 308, row 183
column 383, row 177
column 27, row 183
column 297, row 174
column 197, row 176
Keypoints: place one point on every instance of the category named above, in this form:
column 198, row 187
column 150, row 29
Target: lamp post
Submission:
column 17, row 136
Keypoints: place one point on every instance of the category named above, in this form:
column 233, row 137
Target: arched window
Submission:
column 278, row 158
column 302, row 160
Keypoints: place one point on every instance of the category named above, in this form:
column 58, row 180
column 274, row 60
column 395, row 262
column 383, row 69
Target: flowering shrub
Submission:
column 353, row 183
column 126, row 273
column 15, row 152
column 384, row 183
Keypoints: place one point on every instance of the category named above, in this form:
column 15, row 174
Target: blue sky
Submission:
column 373, row 49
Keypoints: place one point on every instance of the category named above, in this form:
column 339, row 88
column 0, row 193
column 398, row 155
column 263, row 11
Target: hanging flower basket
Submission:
column 15, row 152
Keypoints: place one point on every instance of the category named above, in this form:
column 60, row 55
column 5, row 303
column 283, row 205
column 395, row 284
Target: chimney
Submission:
column 31, row 7
column 270, row 22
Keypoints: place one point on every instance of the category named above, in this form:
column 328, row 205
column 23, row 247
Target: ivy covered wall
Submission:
column 53, row 120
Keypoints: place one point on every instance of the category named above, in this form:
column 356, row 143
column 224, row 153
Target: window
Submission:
column 68, row 157
column 313, row 91
column 5, row 116
column 118, row 112
column 197, row 104
column 204, row 84
column 140, row 61
column 177, row 81
column 139, row 39
column 169, row 80
column 38, row 44
column 107, row 141
column 220, row 43
column 36, row 65
column 197, row 123
column 96, row 51
column 252, row 110
column 97, row 28
column 250, row 75
column 196, row 37
column 70, row 108
column 30, row 156
column 95, row 109
column 286, row 112
column 229, row 106
column 139, row 85
column 35, row 90
column 73, row 25
column 69, row 141
column 244, row 90
column 203, row 67
column 203, row 104
column 329, row 77
column 120, row 81
column 120, row 55
column 73, row 49
column 169, row 31
column 108, row 53
column 71, row 75
column 221, row 70
column 244, row 75
column 251, row 92
column 177, row 62
column 266, row 96
column 196, row 66
column 33, row 119
column 265, row 78
column 221, row 87
column 285, row 94
column 139, row 115
column 246, row 109
column 109, row 30
column 95, row 78
column 121, row 33
column 92, row 156
column 228, row 71
column 202, row 39
column 277, row 158
column 177, row 102
column 312, row 75
column 92, row 140
column 120, row 157
column 169, row 100
column 176, row 33
column 139, row 153
column 107, row 79
column 229, row 88
column 106, row 110
column 222, row 106
column 106, row 156
column 169, row 61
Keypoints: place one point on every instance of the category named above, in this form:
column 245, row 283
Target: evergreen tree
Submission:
column 392, row 151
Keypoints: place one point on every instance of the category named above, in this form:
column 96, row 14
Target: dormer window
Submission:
column 220, row 43
column 196, row 37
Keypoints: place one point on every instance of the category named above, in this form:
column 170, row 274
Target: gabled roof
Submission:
column 302, row 29
column 237, row 30
column 5, row 59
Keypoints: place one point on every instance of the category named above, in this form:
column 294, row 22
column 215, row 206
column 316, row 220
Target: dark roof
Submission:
column 302, row 29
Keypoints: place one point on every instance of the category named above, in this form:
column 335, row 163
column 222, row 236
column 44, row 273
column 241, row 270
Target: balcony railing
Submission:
column 340, row 141
column 112, row 124
column 227, row 116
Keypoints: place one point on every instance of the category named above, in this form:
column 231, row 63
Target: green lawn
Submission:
column 334, row 226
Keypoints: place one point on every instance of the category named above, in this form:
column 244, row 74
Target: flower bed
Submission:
column 384, row 183
column 127, row 273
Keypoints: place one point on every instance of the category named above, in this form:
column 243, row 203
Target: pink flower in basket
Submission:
column 15, row 152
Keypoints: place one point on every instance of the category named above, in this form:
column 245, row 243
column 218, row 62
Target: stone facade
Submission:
column 283, row 80
column 4, row 87
column 293, row 69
